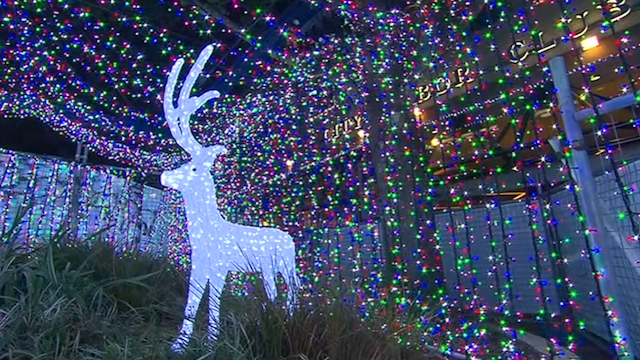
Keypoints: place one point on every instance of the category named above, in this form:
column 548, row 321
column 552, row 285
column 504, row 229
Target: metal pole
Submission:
column 608, row 106
column 78, row 180
column 588, row 195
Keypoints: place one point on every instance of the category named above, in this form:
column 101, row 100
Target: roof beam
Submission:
column 208, row 9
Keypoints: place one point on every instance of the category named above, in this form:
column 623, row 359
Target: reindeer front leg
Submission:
column 216, row 286
column 193, row 300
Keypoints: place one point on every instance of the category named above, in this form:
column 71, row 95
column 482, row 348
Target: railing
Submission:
column 41, row 197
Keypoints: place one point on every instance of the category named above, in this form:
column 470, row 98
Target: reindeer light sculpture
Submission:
column 217, row 246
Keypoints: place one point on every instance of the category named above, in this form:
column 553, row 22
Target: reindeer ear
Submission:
column 213, row 151
column 210, row 153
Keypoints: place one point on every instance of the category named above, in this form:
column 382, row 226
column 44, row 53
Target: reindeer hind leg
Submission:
column 268, row 277
column 289, row 271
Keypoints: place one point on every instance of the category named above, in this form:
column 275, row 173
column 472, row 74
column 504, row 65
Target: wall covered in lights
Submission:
column 353, row 255
column 447, row 105
column 473, row 252
column 131, row 215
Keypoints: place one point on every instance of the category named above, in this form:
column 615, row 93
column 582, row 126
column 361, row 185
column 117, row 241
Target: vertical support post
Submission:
column 82, row 154
column 602, row 246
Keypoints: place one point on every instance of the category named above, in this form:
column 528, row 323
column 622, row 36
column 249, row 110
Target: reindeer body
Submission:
column 217, row 245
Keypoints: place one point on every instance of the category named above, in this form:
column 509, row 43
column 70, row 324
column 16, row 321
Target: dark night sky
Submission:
column 32, row 136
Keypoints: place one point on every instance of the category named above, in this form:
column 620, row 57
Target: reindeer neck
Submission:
column 201, row 202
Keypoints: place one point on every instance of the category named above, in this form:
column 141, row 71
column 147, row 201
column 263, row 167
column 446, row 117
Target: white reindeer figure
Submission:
column 217, row 246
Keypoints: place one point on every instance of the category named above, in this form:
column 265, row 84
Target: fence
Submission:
column 144, row 218
column 351, row 255
column 499, row 251
column 105, row 199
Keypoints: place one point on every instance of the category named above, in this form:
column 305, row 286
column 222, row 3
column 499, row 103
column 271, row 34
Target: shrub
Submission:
column 80, row 301
column 61, row 301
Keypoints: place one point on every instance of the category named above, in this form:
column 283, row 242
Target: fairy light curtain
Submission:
column 36, row 204
column 432, row 128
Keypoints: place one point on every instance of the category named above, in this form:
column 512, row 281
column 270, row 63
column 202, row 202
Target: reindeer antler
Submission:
column 178, row 118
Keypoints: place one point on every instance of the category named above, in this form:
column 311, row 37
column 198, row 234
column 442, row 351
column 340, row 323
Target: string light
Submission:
column 441, row 91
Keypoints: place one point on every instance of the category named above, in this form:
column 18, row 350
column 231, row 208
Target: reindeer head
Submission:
column 197, row 171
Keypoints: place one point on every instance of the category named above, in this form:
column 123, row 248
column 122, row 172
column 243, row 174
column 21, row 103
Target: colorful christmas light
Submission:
column 448, row 93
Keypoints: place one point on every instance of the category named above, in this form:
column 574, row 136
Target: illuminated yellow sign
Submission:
column 344, row 129
column 520, row 50
column 446, row 82
column 538, row 43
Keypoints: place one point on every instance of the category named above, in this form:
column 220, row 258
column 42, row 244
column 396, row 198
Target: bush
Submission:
column 84, row 302
column 74, row 302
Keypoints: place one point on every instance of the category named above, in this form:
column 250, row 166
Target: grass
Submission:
column 61, row 301
column 77, row 302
